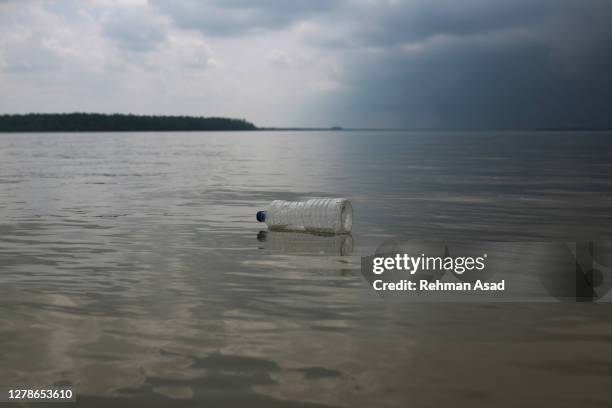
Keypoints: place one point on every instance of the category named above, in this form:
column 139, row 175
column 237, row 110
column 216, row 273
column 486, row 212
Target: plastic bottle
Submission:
column 319, row 215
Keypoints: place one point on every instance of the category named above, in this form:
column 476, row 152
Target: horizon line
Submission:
column 336, row 128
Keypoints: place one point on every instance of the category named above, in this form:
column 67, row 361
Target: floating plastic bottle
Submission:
column 319, row 215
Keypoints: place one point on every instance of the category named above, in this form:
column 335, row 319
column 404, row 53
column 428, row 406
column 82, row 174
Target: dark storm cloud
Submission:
column 237, row 17
column 387, row 23
column 469, row 85
column 482, row 65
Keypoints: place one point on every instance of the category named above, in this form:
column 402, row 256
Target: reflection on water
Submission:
column 130, row 268
column 302, row 243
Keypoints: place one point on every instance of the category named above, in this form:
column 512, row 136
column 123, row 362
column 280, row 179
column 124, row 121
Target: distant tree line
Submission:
column 97, row 122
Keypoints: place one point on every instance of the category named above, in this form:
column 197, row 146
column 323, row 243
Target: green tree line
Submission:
column 98, row 122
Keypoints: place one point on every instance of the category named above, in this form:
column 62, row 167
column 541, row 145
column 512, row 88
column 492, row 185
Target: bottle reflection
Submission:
column 301, row 243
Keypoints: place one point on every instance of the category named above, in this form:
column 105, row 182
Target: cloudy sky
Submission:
column 367, row 63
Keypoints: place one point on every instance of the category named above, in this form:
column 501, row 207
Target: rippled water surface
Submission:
column 132, row 268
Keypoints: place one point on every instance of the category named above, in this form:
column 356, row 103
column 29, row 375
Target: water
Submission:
column 130, row 268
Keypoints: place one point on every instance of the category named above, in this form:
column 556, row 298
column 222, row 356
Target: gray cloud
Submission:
column 237, row 17
column 388, row 24
column 134, row 29
column 28, row 57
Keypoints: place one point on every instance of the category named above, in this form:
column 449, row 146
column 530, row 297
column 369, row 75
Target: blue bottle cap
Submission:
column 261, row 216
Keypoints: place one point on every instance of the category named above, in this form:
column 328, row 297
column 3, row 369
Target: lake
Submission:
column 133, row 270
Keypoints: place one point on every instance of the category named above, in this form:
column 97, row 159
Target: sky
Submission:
column 352, row 63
